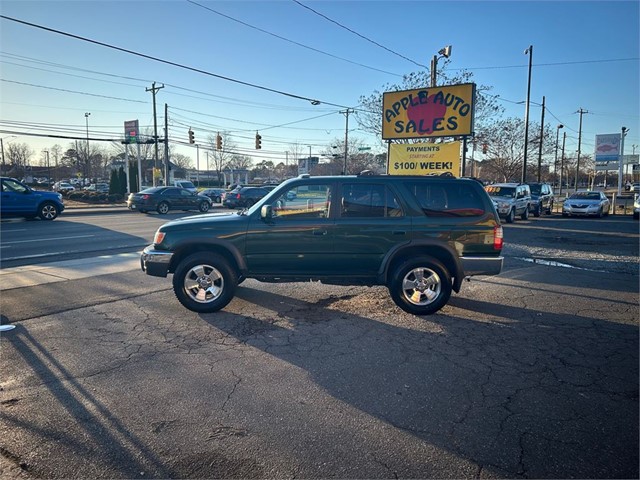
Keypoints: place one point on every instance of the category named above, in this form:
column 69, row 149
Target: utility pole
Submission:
column 166, row 145
column 581, row 112
column 541, row 141
column 153, row 91
column 526, row 116
column 564, row 139
column 346, row 139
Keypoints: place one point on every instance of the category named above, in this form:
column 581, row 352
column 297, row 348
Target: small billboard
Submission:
column 607, row 148
column 445, row 111
column 424, row 159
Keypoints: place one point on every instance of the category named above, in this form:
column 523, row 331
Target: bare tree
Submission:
column 239, row 162
column 18, row 155
column 221, row 158
column 369, row 114
column 181, row 161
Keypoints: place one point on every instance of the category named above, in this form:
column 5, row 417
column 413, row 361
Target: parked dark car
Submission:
column 542, row 199
column 244, row 197
column 215, row 194
column 19, row 200
column 419, row 236
column 164, row 199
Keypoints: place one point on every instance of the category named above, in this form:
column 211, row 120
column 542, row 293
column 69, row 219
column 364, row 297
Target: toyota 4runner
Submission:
column 511, row 199
column 418, row 236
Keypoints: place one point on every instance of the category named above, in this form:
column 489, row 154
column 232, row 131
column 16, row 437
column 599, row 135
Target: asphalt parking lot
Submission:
column 530, row 374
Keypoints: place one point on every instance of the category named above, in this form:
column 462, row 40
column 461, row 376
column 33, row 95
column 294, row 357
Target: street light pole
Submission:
column 528, row 51
column 443, row 52
column 625, row 130
column 86, row 160
column 555, row 163
column 541, row 141
column 564, row 139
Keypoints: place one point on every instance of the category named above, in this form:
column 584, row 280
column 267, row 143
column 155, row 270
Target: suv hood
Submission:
column 204, row 220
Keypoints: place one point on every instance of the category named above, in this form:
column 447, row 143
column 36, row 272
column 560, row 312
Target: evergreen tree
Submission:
column 113, row 182
column 122, row 182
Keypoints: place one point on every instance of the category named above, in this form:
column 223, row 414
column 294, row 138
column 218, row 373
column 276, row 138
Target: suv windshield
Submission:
column 535, row 189
column 501, row 191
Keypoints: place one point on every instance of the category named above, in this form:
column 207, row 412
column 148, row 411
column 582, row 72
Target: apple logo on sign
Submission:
column 426, row 116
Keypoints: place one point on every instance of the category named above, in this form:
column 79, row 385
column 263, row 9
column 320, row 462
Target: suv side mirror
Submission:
column 266, row 212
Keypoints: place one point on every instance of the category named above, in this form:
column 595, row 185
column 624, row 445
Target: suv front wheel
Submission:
column 420, row 286
column 204, row 282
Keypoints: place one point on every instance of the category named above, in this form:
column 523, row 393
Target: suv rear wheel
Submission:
column 420, row 286
column 525, row 214
column 204, row 282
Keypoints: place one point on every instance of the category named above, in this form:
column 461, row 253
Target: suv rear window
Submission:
column 368, row 200
column 448, row 200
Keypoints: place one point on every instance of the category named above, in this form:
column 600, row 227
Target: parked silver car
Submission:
column 587, row 204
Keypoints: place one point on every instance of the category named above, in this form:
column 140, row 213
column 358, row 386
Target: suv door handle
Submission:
column 399, row 232
column 319, row 232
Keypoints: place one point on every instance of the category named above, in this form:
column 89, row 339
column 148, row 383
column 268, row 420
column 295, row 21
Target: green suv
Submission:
column 418, row 236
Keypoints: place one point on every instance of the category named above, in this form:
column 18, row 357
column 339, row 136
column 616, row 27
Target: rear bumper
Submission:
column 155, row 262
column 481, row 265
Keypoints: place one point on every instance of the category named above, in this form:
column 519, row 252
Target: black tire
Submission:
column 525, row 214
column 550, row 209
column 600, row 213
column 203, row 207
column 511, row 216
column 538, row 211
column 204, row 282
column 217, row 199
column 163, row 208
column 420, row 286
column 48, row 211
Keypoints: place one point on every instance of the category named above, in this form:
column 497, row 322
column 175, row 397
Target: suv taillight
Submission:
column 497, row 237
column 237, row 195
column 145, row 197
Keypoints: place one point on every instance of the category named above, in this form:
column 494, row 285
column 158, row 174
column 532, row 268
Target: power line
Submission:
column 291, row 41
column 359, row 35
column 175, row 64
column 72, row 91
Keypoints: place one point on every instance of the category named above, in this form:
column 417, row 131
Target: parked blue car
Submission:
column 19, row 200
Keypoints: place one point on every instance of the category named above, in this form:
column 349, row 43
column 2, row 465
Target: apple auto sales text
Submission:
column 439, row 123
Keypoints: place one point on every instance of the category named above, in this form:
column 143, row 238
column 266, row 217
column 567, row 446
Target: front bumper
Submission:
column 581, row 212
column 155, row 262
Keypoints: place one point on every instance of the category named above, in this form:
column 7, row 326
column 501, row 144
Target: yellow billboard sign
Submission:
column 445, row 111
column 424, row 159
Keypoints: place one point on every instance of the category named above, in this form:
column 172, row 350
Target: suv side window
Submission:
column 368, row 200
column 448, row 200
column 303, row 201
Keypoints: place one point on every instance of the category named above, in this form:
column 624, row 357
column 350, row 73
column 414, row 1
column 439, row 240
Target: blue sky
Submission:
column 586, row 55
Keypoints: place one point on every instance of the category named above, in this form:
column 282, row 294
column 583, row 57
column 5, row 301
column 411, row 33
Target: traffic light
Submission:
column 219, row 142
column 191, row 137
column 258, row 141
column 484, row 148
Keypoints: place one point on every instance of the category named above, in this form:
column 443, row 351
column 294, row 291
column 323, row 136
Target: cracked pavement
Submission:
column 530, row 374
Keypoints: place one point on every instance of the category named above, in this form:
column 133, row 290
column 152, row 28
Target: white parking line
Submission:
column 32, row 275
column 47, row 239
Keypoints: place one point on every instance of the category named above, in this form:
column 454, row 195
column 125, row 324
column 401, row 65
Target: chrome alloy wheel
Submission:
column 203, row 283
column 48, row 212
column 421, row 286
